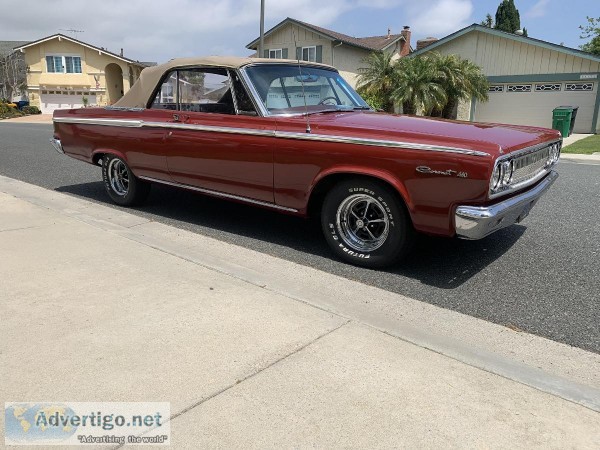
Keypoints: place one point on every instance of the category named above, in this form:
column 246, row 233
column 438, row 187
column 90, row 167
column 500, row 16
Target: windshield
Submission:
column 290, row 89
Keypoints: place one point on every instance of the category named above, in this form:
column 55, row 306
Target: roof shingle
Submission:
column 373, row 43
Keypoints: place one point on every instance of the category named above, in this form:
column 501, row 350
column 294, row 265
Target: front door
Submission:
column 209, row 142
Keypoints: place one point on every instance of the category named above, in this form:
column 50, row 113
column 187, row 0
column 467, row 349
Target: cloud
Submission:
column 149, row 30
column 440, row 17
column 153, row 30
column 538, row 10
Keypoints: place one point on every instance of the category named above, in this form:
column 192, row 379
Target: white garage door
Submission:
column 532, row 103
column 60, row 100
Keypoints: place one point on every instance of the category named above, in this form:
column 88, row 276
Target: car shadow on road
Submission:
column 438, row 262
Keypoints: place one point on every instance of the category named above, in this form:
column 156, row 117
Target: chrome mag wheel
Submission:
column 118, row 177
column 362, row 222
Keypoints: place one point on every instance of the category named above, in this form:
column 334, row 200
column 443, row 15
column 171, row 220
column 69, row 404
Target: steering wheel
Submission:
column 327, row 99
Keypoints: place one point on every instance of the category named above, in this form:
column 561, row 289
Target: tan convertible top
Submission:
column 138, row 95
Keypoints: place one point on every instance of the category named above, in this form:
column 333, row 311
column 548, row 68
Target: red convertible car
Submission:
column 295, row 137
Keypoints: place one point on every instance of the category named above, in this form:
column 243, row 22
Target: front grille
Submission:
column 530, row 165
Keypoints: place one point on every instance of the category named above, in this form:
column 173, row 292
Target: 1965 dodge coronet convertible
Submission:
column 295, row 137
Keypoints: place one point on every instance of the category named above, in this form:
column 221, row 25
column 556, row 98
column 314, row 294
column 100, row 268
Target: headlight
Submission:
column 553, row 154
column 507, row 169
column 496, row 177
column 556, row 152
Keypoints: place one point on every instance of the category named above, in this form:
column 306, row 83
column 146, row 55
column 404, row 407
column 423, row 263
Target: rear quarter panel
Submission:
column 142, row 148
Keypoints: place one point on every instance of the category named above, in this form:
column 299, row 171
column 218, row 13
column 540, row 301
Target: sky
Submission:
column 152, row 30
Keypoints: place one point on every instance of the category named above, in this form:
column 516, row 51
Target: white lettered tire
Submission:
column 121, row 185
column 366, row 223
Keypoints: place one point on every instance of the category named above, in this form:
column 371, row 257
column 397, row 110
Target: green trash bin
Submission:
column 563, row 119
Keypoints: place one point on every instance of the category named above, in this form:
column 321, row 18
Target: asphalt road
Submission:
column 541, row 276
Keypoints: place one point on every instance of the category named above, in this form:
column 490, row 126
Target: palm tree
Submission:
column 461, row 80
column 377, row 80
column 417, row 85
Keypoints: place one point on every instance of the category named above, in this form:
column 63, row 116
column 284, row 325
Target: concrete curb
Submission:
column 551, row 367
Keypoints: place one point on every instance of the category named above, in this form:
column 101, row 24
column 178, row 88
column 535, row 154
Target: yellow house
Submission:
column 63, row 72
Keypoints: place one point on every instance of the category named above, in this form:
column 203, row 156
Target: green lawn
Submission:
column 586, row 146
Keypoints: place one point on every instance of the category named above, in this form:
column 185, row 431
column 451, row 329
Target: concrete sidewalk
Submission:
column 252, row 351
column 32, row 118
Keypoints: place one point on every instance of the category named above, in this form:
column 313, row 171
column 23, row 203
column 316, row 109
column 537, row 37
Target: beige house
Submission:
column 528, row 77
column 63, row 72
column 294, row 39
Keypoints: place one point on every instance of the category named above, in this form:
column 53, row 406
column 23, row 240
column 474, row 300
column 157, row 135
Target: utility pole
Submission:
column 261, row 46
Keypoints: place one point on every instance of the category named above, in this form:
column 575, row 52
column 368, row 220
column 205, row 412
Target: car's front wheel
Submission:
column 122, row 186
column 365, row 223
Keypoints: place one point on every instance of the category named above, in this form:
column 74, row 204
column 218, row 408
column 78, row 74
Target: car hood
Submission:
column 495, row 139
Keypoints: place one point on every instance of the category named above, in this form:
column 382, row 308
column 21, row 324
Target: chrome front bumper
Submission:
column 476, row 222
column 57, row 145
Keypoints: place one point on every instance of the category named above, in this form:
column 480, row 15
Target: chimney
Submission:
column 121, row 52
column 405, row 46
column 421, row 43
column 389, row 33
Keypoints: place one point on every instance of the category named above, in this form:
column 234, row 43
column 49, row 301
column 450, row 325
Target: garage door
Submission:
column 51, row 100
column 532, row 103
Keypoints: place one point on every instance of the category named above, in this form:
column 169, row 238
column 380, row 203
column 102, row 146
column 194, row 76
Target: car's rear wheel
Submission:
column 365, row 223
column 122, row 186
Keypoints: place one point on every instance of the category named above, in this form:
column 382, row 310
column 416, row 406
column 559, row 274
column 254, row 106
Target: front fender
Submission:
column 382, row 175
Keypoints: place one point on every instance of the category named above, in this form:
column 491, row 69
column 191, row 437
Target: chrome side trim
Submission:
column 476, row 222
column 210, row 128
column 221, row 194
column 57, row 145
column 127, row 123
column 272, row 133
column 376, row 143
column 123, row 108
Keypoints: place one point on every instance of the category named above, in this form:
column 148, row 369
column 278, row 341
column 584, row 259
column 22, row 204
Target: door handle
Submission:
column 180, row 117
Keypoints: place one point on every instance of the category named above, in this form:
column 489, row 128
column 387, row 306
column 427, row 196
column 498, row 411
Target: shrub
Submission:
column 31, row 110
column 8, row 110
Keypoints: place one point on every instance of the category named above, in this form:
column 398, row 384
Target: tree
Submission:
column 429, row 84
column 507, row 17
column 461, row 79
column 488, row 21
column 13, row 74
column 377, row 80
column 417, row 85
column 591, row 30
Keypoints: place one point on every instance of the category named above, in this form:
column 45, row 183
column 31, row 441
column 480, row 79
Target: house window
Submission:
column 73, row 64
column 547, row 87
column 167, row 89
column 63, row 64
column 496, row 88
column 276, row 53
column 54, row 64
column 519, row 88
column 579, row 87
column 309, row 53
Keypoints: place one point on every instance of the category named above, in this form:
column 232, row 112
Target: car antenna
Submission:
column 302, row 83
